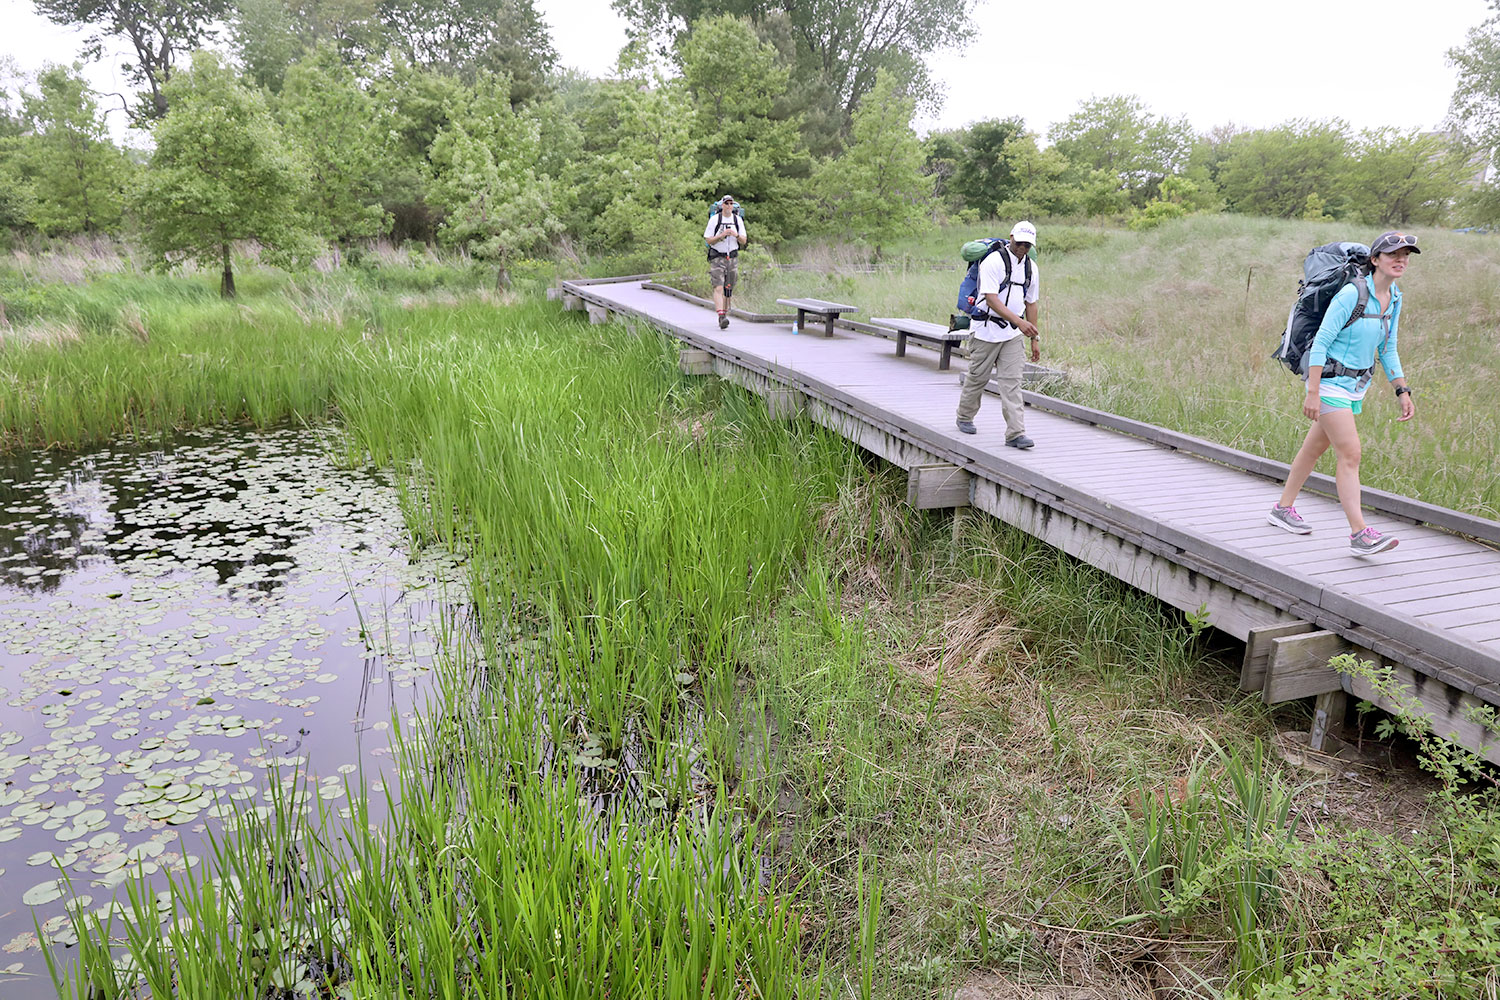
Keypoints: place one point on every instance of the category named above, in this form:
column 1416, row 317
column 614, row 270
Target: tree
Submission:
column 1119, row 136
column 484, row 179
column 222, row 172
column 419, row 104
column 647, row 180
column 1401, row 177
column 467, row 38
column 343, row 136
column 941, row 151
column 877, row 188
column 985, row 175
column 1474, row 112
column 1272, row 171
column 843, row 44
column 76, row 175
column 1475, row 107
column 271, row 35
column 744, row 147
column 15, row 206
column 160, row 31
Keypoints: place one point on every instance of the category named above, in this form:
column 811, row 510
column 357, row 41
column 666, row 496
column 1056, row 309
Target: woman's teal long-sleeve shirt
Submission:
column 1358, row 345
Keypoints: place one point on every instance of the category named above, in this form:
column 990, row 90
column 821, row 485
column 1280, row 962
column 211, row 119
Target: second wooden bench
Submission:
column 827, row 311
column 923, row 330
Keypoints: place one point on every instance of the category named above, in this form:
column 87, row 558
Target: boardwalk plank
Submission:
column 1482, row 615
column 1414, row 600
column 1485, row 633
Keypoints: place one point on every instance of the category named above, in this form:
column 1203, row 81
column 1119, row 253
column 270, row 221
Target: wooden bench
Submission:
column 923, row 330
column 829, row 311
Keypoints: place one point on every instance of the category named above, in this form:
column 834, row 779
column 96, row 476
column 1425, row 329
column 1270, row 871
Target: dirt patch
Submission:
column 990, row 986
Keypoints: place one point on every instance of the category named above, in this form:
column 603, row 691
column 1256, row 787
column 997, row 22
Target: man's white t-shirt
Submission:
column 718, row 224
column 1015, row 297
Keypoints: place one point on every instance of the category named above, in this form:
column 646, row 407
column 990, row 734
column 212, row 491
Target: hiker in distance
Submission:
column 725, row 235
column 1340, row 365
column 998, row 331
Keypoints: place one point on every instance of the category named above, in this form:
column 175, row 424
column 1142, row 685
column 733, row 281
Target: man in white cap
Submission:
column 1008, row 290
column 725, row 235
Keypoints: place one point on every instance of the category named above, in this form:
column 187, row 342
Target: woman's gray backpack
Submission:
column 1325, row 270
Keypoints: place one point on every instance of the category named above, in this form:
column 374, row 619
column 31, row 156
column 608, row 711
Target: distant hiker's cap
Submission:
column 1387, row 242
column 726, row 200
column 1023, row 232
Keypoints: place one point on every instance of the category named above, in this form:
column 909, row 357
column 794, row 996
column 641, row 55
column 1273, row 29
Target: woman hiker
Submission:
column 1340, row 365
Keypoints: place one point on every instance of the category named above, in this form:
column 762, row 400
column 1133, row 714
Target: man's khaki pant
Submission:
column 1005, row 360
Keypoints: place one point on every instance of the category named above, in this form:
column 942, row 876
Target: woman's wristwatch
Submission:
column 1403, row 390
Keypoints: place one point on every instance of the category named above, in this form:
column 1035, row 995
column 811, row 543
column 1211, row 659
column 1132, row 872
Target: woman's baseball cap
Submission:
column 1387, row 242
column 1024, row 232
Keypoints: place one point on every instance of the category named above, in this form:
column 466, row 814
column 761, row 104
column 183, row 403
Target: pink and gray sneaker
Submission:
column 1369, row 541
column 1288, row 519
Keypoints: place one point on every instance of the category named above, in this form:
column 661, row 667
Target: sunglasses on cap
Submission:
column 1387, row 242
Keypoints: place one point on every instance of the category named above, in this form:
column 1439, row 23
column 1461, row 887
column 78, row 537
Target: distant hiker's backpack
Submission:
column 975, row 251
column 1325, row 270
column 713, row 210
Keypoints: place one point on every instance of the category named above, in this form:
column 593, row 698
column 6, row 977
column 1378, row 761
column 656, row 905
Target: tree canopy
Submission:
column 844, row 44
column 877, row 190
column 162, row 32
column 1119, row 136
column 744, row 146
column 222, row 172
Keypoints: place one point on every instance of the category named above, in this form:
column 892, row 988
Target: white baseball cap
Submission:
column 1023, row 232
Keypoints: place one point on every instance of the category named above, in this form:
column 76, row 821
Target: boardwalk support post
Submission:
column 695, row 362
column 785, row 404
column 929, row 487
column 1328, row 714
column 1258, row 651
column 1297, row 666
column 597, row 314
column 572, row 303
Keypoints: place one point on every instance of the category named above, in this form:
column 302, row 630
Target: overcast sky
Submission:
column 1372, row 62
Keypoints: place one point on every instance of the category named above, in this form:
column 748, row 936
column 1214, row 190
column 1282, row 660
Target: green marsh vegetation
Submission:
column 744, row 725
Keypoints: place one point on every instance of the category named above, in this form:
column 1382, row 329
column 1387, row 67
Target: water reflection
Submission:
column 174, row 623
column 197, row 502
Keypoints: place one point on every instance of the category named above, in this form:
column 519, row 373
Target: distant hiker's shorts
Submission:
column 722, row 271
column 1329, row 404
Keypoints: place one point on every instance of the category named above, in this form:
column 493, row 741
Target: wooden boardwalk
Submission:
column 1176, row 516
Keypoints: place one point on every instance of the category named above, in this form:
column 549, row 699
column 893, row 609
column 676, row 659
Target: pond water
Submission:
column 175, row 621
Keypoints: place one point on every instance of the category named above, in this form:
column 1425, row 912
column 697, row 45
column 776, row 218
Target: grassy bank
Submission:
column 1176, row 325
column 745, row 725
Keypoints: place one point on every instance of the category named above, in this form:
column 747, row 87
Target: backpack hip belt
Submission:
column 1334, row 368
column 716, row 254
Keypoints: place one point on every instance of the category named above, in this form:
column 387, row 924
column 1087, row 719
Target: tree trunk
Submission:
column 226, row 283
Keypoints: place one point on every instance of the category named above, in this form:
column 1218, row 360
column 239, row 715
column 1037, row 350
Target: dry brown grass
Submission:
column 1028, row 757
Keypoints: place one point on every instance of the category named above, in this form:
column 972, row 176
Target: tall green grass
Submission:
column 624, row 527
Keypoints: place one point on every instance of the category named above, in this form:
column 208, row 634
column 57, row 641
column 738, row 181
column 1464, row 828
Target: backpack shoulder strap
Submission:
column 1362, row 299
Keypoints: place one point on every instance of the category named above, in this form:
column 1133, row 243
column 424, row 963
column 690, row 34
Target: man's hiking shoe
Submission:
column 1288, row 518
column 1020, row 441
column 967, row 426
column 723, row 322
column 1369, row 542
